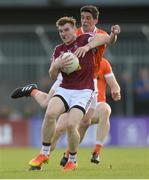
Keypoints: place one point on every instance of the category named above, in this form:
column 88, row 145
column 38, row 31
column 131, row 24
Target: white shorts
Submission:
column 80, row 99
column 57, row 82
column 94, row 101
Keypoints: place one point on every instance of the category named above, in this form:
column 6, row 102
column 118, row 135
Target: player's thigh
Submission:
column 55, row 107
column 74, row 117
column 53, row 88
column 48, row 97
column 86, row 120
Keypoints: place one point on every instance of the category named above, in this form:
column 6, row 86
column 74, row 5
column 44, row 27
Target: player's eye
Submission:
column 60, row 31
column 67, row 29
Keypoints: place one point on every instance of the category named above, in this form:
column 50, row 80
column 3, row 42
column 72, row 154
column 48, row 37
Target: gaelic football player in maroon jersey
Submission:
column 75, row 92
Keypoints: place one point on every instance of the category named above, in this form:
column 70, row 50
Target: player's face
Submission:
column 88, row 22
column 67, row 33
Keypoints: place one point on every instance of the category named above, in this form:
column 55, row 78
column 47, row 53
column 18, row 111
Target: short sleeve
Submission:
column 106, row 67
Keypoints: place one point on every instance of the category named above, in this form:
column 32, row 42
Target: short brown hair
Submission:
column 62, row 21
column 91, row 9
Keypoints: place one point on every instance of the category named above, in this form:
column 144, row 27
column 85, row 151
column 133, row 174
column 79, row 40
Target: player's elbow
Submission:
column 118, row 86
column 107, row 40
column 51, row 75
column 112, row 41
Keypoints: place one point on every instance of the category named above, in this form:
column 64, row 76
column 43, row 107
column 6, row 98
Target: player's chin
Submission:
column 116, row 98
column 85, row 27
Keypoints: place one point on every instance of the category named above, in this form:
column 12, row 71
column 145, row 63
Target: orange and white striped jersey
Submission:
column 104, row 71
column 99, row 50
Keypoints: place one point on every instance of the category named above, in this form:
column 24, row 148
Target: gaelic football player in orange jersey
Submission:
column 89, row 19
column 105, row 76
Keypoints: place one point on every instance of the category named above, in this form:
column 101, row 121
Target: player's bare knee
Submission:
column 106, row 109
column 85, row 123
column 44, row 104
column 71, row 125
column 50, row 116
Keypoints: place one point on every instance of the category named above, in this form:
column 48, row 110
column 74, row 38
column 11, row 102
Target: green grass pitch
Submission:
column 116, row 163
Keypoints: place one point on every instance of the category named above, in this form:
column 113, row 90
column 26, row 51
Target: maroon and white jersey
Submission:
column 82, row 78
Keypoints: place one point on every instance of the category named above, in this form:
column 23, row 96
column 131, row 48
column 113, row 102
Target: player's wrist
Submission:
column 89, row 46
column 57, row 65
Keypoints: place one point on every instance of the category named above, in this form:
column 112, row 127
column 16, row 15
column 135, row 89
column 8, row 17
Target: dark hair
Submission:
column 62, row 21
column 91, row 9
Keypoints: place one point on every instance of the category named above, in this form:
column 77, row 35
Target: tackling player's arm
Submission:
column 95, row 41
column 114, row 87
column 98, row 40
column 115, row 30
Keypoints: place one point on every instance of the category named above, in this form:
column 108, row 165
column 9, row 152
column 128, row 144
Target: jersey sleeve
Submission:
column 56, row 53
column 106, row 68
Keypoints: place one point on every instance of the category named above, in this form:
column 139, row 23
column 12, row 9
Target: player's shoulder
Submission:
column 84, row 36
column 59, row 47
column 79, row 31
column 101, row 31
column 105, row 66
column 57, row 50
column 105, row 63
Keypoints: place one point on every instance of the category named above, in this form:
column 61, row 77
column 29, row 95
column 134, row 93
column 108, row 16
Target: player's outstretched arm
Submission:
column 114, row 87
column 115, row 30
column 97, row 40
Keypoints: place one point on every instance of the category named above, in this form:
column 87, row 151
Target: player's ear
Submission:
column 96, row 21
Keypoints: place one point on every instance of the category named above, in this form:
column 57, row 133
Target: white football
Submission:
column 73, row 66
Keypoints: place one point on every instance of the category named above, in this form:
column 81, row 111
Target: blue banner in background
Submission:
column 124, row 132
column 129, row 132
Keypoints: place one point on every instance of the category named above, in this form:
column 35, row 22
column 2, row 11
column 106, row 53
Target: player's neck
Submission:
column 70, row 42
column 92, row 29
